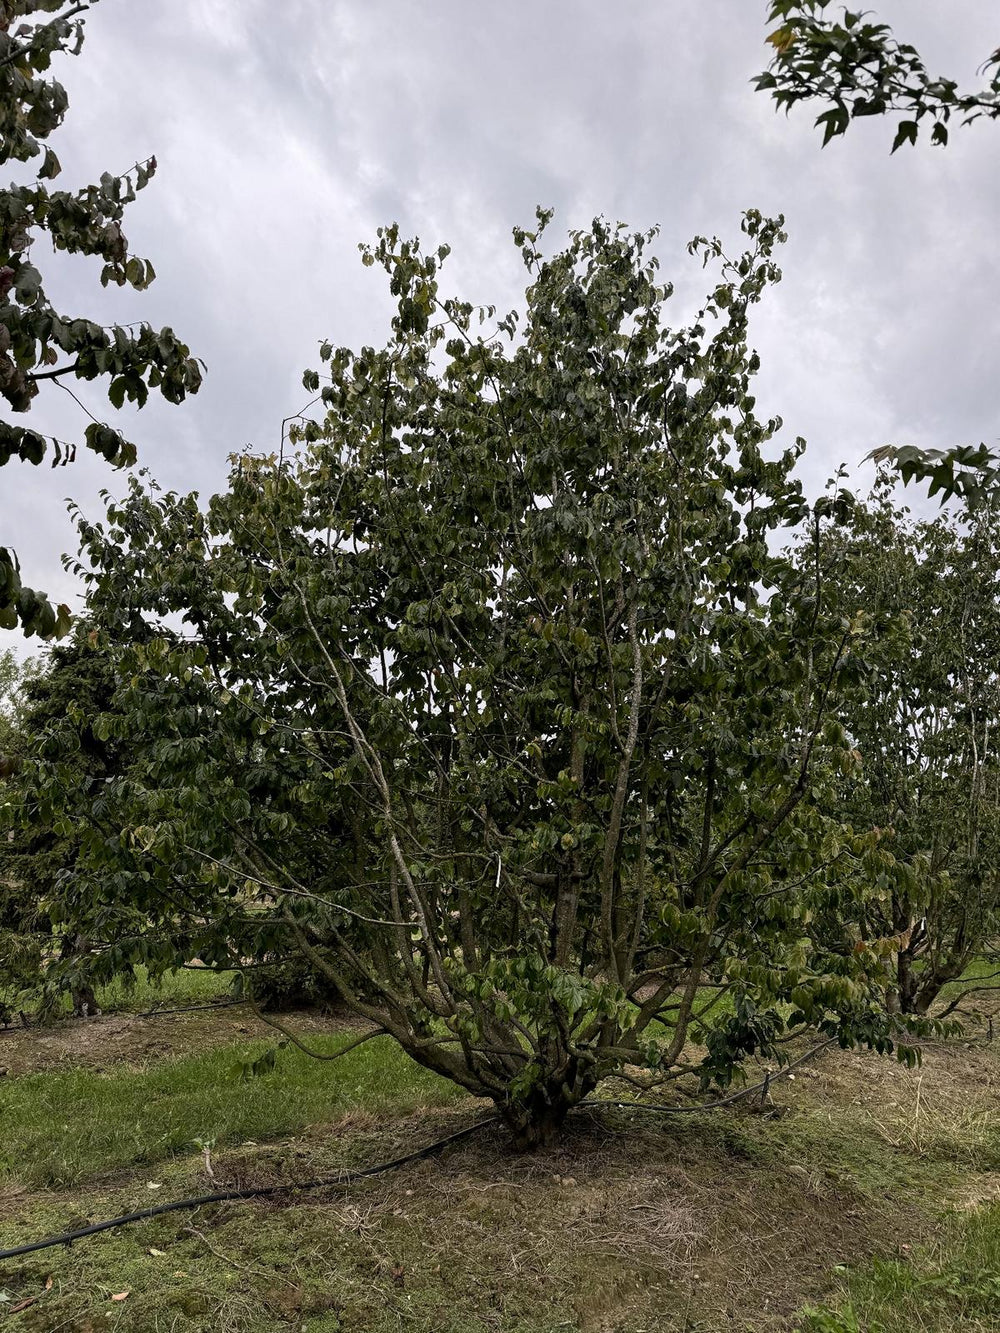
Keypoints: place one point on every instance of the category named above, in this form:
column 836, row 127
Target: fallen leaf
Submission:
column 48, row 1283
column 157, row 1254
column 154, row 1184
column 122, row 1296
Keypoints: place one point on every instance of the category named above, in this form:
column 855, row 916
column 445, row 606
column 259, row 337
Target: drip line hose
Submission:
column 254, row 1192
column 11, row 1029
column 662, row 1108
column 349, row 1177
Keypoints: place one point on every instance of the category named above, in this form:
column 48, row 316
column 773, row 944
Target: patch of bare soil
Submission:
column 124, row 1039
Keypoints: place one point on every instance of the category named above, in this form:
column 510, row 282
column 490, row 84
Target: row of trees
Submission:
column 525, row 701
column 496, row 702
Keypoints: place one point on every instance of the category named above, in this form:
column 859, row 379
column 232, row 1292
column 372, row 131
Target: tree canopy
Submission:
column 494, row 701
column 40, row 347
column 59, row 695
column 924, row 721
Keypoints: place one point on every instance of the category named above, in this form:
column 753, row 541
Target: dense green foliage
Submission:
column 38, row 345
column 925, row 724
column 19, row 955
column 9, row 677
column 57, row 699
column 496, row 703
column 490, row 705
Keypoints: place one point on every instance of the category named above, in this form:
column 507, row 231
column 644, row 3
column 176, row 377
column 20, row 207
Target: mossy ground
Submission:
column 861, row 1194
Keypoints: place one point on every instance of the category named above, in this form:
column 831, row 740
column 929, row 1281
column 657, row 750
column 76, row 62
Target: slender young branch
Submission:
column 613, row 837
column 16, row 52
column 297, row 892
column 53, row 374
column 369, row 758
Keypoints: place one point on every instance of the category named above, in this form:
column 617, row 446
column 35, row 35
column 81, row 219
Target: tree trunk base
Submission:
column 529, row 1135
column 538, row 1122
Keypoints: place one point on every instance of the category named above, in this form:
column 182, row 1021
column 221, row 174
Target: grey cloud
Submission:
column 286, row 134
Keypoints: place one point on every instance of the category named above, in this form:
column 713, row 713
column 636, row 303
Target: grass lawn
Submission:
column 189, row 985
column 861, row 1200
column 142, row 1116
column 951, row 1283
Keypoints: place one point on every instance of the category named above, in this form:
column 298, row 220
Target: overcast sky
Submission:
column 287, row 133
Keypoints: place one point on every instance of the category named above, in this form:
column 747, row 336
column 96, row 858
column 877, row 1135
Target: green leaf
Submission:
column 906, row 133
column 50, row 167
column 32, row 448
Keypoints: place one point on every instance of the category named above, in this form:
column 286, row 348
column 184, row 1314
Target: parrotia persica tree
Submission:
column 39, row 346
column 495, row 701
column 925, row 722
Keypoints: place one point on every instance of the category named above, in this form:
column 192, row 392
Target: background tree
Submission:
column 9, row 677
column 58, row 701
column 54, row 707
column 38, row 345
column 494, row 700
column 20, row 955
column 17, row 960
column 924, row 720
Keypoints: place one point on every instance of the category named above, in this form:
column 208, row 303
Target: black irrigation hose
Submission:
column 348, row 1177
column 762, row 1087
column 187, row 1009
column 10, row 1029
column 258, row 1192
